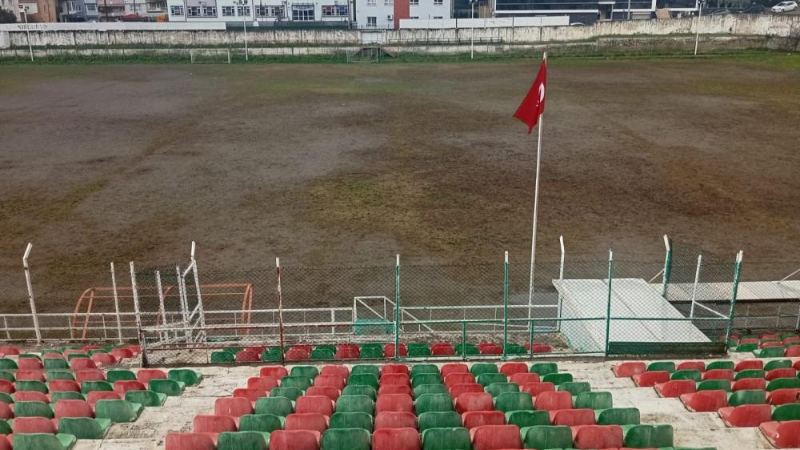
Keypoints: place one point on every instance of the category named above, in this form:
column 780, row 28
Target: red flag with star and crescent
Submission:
column 532, row 105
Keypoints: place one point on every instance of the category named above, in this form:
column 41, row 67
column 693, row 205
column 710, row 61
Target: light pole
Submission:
column 629, row 10
column 242, row 4
column 697, row 35
column 472, row 34
column 24, row 10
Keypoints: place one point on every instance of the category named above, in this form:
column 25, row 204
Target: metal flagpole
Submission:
column 535, row 206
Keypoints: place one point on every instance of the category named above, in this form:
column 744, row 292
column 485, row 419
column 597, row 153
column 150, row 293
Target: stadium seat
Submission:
column 787, row 412
column 63, row 386
column 451, row 368
column 262, row 423
column 513, row 401
column 95, row 396
column 334, row 381
column 44, row 441
column 369, row 391
column 393, row 439
column 553, row 400
column 31, row 396
column 355, row 403
column 84, row 428
column 486, row 379
column 345, row 439
column 395, row 379
column 278, row 406
column 308, row 421
column 593, row 400
column 618, row 416
column 264, row 383
column 395, row 389
column 309, row 372
column 426, row 378
column 146, row 398
column 699, row 366
column 769, row 352
column 575, row 387
column 73, row 408
column 459, row 389
column 675, row 388
column 275, row 372
column 545, row 436
column 314, row 404
column 705, row 401
column 298, row 354
column 496, row 389
column 782, row 396
column 661, row 366
column 394, row 403
column 479, row 369
column 686, row 374
column 648, row 436
column 536, row 388
column 250, row 394
column 5, row 412
column 418, row 369
column 747, row 397
column 749, row 384
column 512, row 368
column 747, row 364
column 557, row 378
column 431, row 389
column 292, row 393
column 783, row 383
column 104, row 359
column 749, row 373
column 474, row 401
column 395, row 369
column 495, row 437
column 233, row 406
column 294, row 440
column 82, row 364
column 780, row 373
column 433, row 402
column 597, row 436
column 392, row 419
column 118, row 410
column 474, row 419
column 212, row 424
column 524, row 378
column 90, row 375
column 455, row 438
column 714, row 385
column 388, row 350
column 123, row 386
column 439, row 419
column 242, row 440
column 572, row 417
column 293, row 381
column 443, row 349
column 32, row 409
column 351, row 420
column 454, row 378
column 25, row 425
column 748, row 415
column 170, row 388
column 782, row 434
column 650, row 379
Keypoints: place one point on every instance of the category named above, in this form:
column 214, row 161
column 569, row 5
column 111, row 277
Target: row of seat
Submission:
column 629, row 369
column 119, row 351
column 304, row 352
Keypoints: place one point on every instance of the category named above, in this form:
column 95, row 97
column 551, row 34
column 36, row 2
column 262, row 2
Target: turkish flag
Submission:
column 532, row 105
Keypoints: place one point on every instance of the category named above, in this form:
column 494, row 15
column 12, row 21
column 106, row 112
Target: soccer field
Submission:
column 329, row 164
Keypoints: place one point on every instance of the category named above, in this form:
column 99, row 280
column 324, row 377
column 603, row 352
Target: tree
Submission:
column 7, row 16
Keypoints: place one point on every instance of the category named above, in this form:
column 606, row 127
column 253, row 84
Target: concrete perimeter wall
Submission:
column 733, row 25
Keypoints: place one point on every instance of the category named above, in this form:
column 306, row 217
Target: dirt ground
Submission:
column 351, row 164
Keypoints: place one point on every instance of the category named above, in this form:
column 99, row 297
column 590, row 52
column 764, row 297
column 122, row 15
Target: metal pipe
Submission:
column 608, row 308
column 505, row 305
column 116, row 302
column 696, row 281
column 31, row 298
column 135, row 289
column 397, row 310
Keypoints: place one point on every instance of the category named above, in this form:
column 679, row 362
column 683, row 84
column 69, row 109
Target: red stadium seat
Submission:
column 395, row 389
column 782, row 434
column 524, row 378
column 343, row 353
column 89, row 375
column 553, row 400
column 73, row 408
column 306, row 421
column 29, row 425
column 490, row 349
column 246, row 356
column 388, row 350
column 474, row 419
column 476, row 401
column 318, row 404
column 256, row 348
column 53, row 356
column 94, row 396
column 459, row 389
column 782, row 396
column 705, row 401
column 749, row 364
column 31, row 396
column 394, row 368
column 330, row 392
column 213, row 424
column 9, row 351
column 629, row 369
column 234, row 407
column 540, row 348
column 512, row 368
column 449, row 368
column 189, row 441
column 145, row 375
column 294, row 440
column 334, row 381
column 394, row 403
column 104, row 359
column 770, row 344
column 780, row 373
column 749, row 384
column 305, row 347
column 251, row 394
column 745, row 415
column 453, row 379
column 82, row 364
column 391, row 419
column 123, row 386
column 5, row 411
column 597, row 436
column 718, row 374
column 31, row 375
column 749, row 341
column 63, row 386
column 263, row 383
column 649, row 379
column 396, row 439
column 692, row 365
column 495, row 437
column 395, row 378
column 29, row 364
column 7, row 387
column 792, row 352
column 276, row 372
column 675, row 388
column 443, row 349
column 572, row 417
column 122, row 353
column 298, row 354
column 791, row 339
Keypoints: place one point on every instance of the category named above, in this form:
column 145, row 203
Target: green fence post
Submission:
column 667, row 266
column 397, row 309
column 463, row 341
column 505, row 306
column 530, row 337
column 734, row 294
column 608, row 308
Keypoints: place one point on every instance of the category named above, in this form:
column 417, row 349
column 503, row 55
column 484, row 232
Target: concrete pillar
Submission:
column 5, row 39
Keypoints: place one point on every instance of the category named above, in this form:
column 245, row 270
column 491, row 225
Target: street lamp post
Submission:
column 242, row 4
column 24, row 10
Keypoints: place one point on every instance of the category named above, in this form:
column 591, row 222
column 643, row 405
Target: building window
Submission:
column 176, row 10
column 303, row 12
column 242, row 11
column 438, row 2
column 210, row 11
column 372, row 3
column 414, row 2
column 269, row 11
column 372, row 22
column 438, row 17
column 334, row 10
column 227, row 11
column 93, row 7
column 194, row 11
column 414, row 17
column 388, row 2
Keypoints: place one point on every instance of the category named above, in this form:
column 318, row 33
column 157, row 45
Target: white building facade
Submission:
column 260, row 11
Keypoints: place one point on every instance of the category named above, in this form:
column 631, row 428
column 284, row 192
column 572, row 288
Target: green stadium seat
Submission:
column 593, row 400
column 222, row 357
column 39, row 441
column 693, row 375
column 299, row 382
column 746, row 348
column 363, row 379
column 433, row 402
column 525, row 419
column 479, row 369
column 169, row 387
column 242, row 440
column 430, row 389
column 466, row 349
column 262, row 423
column 270, row 355
column 91, row 386
column 309, row 372
column 661, row 366
column 292, row 393
column 714, row 385
column 345, row 439
column 8, row 376
column 648, row 436
column 276, row 406
column 351, row 420
column 747, row 397
column 117, row 410
column 725, row 365
column 55, row 364
column 72, row 356
column 575, row 387
column 6, row 398
column 369, row 391
column 371, row 353
column 513, row 401
column 355, row 403
column 419, row 352
column 8, row 364
column 777, row 364
column 769, row 352
column 51, row 375
column 547, row 437
column 66, row 395
column 486, row 379
column 322, row 354
column 5, row 427
column 426, row 378
column 557, row 378
column 31, row 385
column 372, row 369
column 114, row 375
column 786, row 412
column 498, row 388
column 618, row 416
column 32, row 409
column 84, row 427
column 439, row 419
column 544, row 368
column 146, row 398
column 187, row 376
column 418, row 369
column 515, row 349
column 750, row 373
column 783, row 383
column 446, row 439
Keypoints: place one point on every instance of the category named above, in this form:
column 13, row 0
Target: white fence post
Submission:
column 197, row 287
column 694, row 288
column 561, row 278
column 161, row 304
column 30, row 293
column 116, row 301
column 135, row 290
